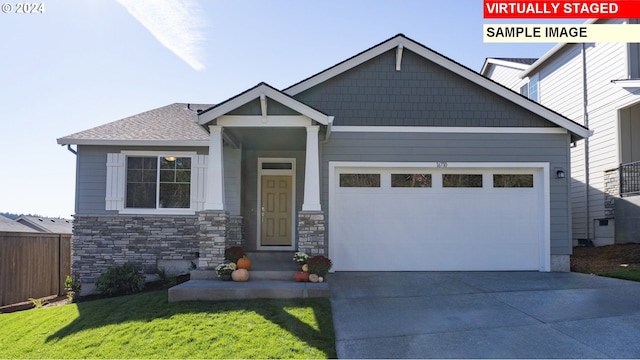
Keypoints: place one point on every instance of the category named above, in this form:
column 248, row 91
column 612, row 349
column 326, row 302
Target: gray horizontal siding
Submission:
column 433, row 147
column 421, row 94
column 91, row 177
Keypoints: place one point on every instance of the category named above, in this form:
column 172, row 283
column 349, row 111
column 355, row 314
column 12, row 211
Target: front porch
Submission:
column 262, row 176
column 271, row 277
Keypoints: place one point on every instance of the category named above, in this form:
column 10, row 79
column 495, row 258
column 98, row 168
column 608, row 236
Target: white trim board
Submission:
column 452, row 129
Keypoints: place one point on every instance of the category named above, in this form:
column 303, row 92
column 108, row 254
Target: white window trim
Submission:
column 291, row 172
column 197, row 183
column 542, row 179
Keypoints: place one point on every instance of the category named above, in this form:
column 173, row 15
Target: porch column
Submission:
column 312, row 172
column 215, row 171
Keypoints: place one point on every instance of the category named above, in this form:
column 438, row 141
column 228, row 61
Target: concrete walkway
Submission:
column 484, row 315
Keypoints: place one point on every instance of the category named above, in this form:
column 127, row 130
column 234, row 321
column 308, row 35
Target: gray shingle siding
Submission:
column 421, row 94
column 433, row 147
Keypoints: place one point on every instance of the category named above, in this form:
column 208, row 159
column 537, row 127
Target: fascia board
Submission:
column 106, row 142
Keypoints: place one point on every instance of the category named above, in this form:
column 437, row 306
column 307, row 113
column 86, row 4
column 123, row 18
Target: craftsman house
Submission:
column 395, row 159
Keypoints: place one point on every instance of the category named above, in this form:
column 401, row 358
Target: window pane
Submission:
column 183, row 176
column 141, row 195
column 175, row 185
column 175, row 195
column 410, row 180
column 141, row 182
column 513, row 181
column 277, row 166
column 359, row 180
column 461, row 180
column 167, row 175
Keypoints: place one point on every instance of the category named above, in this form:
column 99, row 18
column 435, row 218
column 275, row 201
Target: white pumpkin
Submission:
column 240, row 275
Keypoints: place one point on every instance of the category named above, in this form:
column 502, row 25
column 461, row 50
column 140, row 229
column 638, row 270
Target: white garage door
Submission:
column 413, row 219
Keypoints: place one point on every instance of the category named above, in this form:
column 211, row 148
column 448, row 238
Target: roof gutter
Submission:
column 74, row 152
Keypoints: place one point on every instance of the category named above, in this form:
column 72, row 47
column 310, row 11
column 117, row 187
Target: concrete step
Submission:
column 254, row 274
column 272, row 260
column 213, row 290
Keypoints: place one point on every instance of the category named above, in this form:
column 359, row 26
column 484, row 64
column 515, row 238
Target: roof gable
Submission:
column 400, row 42
column 263, row 92
column 422, row 94
column 517, row 63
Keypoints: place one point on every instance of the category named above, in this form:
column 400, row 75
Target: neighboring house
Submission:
column 596, row 85
column 397, row 158
column 49, row 225
column 10, row 225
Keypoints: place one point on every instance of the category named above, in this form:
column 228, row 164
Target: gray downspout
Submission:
column 585, row 117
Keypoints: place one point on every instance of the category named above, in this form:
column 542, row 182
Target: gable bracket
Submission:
column 263, row 107
column 399, row 56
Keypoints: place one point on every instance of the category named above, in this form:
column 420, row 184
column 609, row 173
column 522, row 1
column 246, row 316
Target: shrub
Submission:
column 125, row 279
column 319, row 265
column 234, row 253
column 73, row 287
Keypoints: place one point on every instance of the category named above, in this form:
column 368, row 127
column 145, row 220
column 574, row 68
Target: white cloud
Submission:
column 176, row 24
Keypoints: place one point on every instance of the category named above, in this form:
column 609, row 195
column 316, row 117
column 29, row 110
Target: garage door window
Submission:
column 462, row 180
column 360, row 180
column 410, row 180
column 513, row 180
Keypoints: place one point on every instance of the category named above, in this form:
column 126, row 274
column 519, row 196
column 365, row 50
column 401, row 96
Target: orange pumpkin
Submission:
column 301, row 276
column 240, row 275
column 244, row 263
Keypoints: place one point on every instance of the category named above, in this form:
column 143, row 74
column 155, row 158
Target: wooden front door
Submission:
column 276, row 209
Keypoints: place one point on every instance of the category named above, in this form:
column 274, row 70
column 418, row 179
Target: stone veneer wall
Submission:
column 212, row 237
column 100, row 242
column 235, row 231
column 311, row 233
column 611, row 191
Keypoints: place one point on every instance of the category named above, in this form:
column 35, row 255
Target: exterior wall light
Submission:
column 560, row 174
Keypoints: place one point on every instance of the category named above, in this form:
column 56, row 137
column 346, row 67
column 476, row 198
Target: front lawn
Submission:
column 147, row 326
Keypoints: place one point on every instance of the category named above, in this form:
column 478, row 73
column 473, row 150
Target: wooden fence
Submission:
column 33, row 265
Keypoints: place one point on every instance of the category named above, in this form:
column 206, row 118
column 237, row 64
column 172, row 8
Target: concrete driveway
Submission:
column 484, row 315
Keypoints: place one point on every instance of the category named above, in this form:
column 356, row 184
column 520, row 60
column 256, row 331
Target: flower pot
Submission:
column 225, row 277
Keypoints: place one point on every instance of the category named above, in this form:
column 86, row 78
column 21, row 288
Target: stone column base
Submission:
column 311, row 233
column 212, row 236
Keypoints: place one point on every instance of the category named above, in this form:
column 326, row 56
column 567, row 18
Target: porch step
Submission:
column 265, row 265
column 253, row 274
column 213, row 290
column 272, row 260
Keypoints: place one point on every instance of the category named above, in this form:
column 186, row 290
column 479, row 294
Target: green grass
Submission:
column 147, row 326
column 629, row 274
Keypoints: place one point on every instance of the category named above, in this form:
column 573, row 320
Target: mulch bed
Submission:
column 598, row 260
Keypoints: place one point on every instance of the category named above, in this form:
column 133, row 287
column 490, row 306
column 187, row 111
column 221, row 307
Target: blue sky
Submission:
column 85, row 63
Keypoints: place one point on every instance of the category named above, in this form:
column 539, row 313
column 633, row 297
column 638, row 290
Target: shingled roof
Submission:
column 526, row 61
column 171, row 123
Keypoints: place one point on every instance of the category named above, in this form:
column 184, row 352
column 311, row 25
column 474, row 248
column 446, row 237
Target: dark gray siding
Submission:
column 91, row 175
column 422, row 94
column 250, row 188
column 433, row 147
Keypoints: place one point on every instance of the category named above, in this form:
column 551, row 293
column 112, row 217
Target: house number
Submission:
column 441, row 164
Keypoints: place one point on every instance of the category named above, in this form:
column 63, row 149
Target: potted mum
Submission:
column 319, row 265
column 300, row 258
column 224, row 270
column 234, row 253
